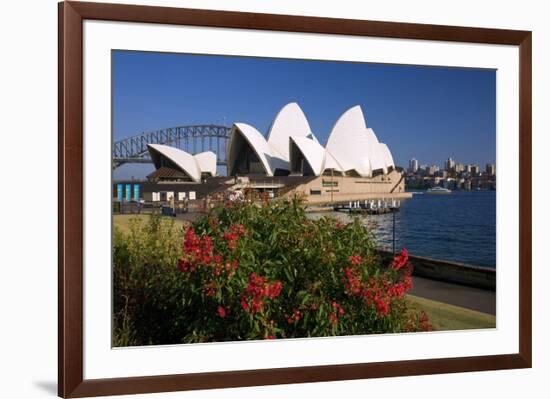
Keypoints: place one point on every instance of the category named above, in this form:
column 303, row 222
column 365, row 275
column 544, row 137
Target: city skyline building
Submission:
column 431, row 169
column 413, row 165
column 449, row 164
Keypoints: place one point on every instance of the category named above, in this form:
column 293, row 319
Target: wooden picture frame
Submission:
column 70, row 241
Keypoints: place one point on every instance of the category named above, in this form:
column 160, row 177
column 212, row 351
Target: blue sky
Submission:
column 429, row 113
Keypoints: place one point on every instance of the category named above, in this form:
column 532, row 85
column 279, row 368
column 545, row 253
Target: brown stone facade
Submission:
column 327, row 189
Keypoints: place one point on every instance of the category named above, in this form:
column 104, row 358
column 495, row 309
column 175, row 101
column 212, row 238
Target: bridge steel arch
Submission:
column 192, row 138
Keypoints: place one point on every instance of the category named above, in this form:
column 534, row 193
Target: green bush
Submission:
column 254, row 272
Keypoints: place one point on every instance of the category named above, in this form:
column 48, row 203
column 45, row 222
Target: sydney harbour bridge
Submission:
column 192, row 138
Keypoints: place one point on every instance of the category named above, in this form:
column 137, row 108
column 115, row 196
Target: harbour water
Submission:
column 459, row 227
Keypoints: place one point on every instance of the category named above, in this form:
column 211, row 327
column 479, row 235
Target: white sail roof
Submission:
column 348, row 142
column 331, row 163
column 351, row 146
column 290, row 121
column 388, row 158
column 312, row 151
column 207, row 162
column 182, row 159
column 356, row 147
column 256, row 141
column 374, row 152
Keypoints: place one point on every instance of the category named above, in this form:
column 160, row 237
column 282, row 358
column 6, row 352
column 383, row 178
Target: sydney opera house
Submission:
column 292, row 148
column 289, row 160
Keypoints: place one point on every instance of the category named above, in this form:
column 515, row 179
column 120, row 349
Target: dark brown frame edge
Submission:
column 70, row 174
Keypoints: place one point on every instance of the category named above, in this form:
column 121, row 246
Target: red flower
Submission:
column 231, row 239
column 355, row 260
column 221, row 312
column 397, row 290
column 270, row 337
column 408, row 283
column 244, row 304
column 185, row 266
column 273, row 290
column 232, row 236
column 352, row 281
column 190, row 240
column 209, row 288
column 295, row 317
column 338, row 309
column 257, row 290
column 238, row 229
column 197, row 251
column 400, row 260
column 257, row 305
column 382, row 307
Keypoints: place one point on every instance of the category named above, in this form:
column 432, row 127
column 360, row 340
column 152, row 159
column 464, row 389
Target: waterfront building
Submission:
column 354, row 165
column 359, row 165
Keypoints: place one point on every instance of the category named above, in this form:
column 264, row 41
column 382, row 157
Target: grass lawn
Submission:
column 449, row 317
column 123, row 221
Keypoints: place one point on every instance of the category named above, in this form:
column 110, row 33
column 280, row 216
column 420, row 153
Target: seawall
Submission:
column 450, row 272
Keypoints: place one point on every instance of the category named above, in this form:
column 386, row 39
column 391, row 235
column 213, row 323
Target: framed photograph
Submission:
column 251, row 199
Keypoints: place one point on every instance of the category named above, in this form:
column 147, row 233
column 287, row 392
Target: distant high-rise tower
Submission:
column 491, row 169
column 449, row 164
column 413, row 165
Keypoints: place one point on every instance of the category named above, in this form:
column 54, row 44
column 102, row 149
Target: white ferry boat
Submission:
column 438, row 190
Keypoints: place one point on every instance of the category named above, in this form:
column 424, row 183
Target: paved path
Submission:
column 454, row 294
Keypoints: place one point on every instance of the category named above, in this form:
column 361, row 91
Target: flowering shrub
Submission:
column 265, row 272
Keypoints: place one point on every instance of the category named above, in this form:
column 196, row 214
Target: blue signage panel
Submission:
column 136, row 192
column 128, row 192
column 119, row 192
